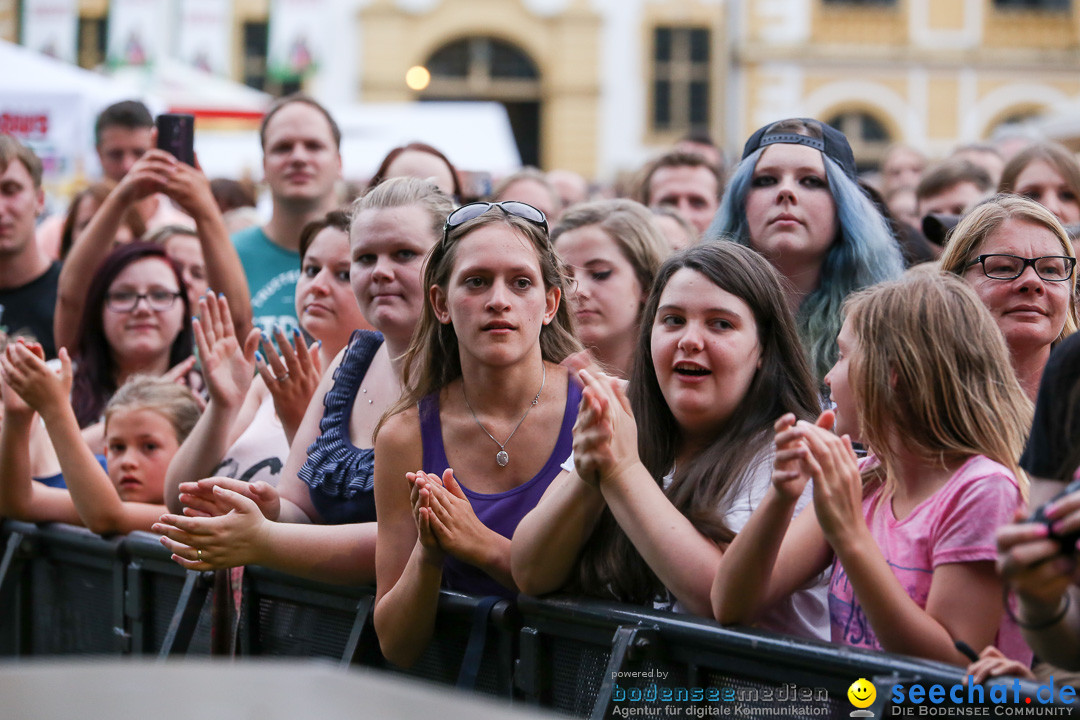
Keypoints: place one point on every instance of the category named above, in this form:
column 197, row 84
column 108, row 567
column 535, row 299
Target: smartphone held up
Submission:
column 176, row 135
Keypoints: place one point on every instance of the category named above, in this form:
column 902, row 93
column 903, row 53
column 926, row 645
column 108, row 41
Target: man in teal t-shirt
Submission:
column 302, row 163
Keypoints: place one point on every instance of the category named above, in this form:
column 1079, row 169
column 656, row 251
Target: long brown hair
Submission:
column 433, row 361
column 704, row 488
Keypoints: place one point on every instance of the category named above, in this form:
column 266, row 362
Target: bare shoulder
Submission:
column 397, row 448
column 399, row 432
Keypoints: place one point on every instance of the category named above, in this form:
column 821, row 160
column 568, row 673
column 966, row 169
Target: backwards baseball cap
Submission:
column 832, row 142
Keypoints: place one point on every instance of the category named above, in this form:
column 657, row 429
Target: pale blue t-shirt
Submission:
column 272, row 272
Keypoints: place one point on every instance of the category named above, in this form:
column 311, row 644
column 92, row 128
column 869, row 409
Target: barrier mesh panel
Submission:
column 577, row 669
column 11, row 627
column 72, row 610
column 441, row 661
column 302, row 631
column 490, row 679
column 165, row 590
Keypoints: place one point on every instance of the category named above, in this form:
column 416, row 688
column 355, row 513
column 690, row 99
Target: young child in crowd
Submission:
column 923, row 379
column 145, row 422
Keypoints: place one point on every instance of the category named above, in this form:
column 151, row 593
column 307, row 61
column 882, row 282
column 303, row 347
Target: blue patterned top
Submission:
column 339, row 475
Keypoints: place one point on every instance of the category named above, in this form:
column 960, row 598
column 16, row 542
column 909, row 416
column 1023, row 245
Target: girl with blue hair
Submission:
column 794, row 198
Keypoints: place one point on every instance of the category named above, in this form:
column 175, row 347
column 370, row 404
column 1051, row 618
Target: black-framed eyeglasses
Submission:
column 465, row 213
column 999, row 266
column 157, row 299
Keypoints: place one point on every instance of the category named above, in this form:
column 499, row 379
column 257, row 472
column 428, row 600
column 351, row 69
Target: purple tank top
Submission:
column 499, row 511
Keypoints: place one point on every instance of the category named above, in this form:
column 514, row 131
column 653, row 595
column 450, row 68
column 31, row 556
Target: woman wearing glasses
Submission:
column 1019, row 260
column 484, row 424
column 136, row 321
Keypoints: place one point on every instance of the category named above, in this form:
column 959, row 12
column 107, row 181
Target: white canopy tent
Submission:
column 475, row 136
column 51, row 105
column 183, row 88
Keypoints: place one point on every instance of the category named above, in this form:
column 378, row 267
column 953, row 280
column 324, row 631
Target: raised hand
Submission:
column 420, row 484
column 190, row 188
column 25, row 372
column 150, row 174
column 592, row 437
column 14, row 405
column 452, row 521
column 178, row 373
column 228, row 369
column 292, row 375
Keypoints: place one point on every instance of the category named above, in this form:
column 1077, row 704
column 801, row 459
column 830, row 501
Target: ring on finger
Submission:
column 282, row 378
column 198, row 554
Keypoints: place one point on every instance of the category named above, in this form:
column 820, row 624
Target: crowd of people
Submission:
column 778, row 393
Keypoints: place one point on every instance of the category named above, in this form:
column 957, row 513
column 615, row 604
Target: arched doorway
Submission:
column 867, row 135
column 486, row 68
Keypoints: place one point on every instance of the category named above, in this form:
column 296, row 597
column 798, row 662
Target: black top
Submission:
column 27, row 311
column 1053, row 447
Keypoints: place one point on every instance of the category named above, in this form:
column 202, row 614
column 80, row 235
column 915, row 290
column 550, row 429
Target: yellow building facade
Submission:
column 598, row 86
column 930, row 74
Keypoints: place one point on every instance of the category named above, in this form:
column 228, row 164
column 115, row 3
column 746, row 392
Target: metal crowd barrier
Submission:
column 64, row 590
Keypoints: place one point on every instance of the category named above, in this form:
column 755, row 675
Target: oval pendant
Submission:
column 502, row 458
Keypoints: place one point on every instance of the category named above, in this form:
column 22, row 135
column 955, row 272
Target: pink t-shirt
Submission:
column 955, row 524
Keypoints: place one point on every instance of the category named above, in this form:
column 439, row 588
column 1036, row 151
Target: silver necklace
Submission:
column 502, row 457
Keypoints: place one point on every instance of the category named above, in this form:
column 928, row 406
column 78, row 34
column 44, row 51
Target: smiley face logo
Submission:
column 862, row 693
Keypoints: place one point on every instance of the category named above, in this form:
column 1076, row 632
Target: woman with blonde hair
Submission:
column 1019, row 260
column 924, row 381
column 612, row 249
column 484, row 424
column 320, row 520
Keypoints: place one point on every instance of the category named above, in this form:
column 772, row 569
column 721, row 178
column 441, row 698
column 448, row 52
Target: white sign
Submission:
column 51, row 27
column 205, row 37
column 48, row 126
column 138, row 31
column 297, row 32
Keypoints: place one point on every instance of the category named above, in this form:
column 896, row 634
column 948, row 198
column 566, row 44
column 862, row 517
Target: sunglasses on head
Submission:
column 465, row 213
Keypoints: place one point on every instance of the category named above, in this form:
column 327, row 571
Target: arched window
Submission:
column 486, row 68
column 481, row 61
column 868, row 137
